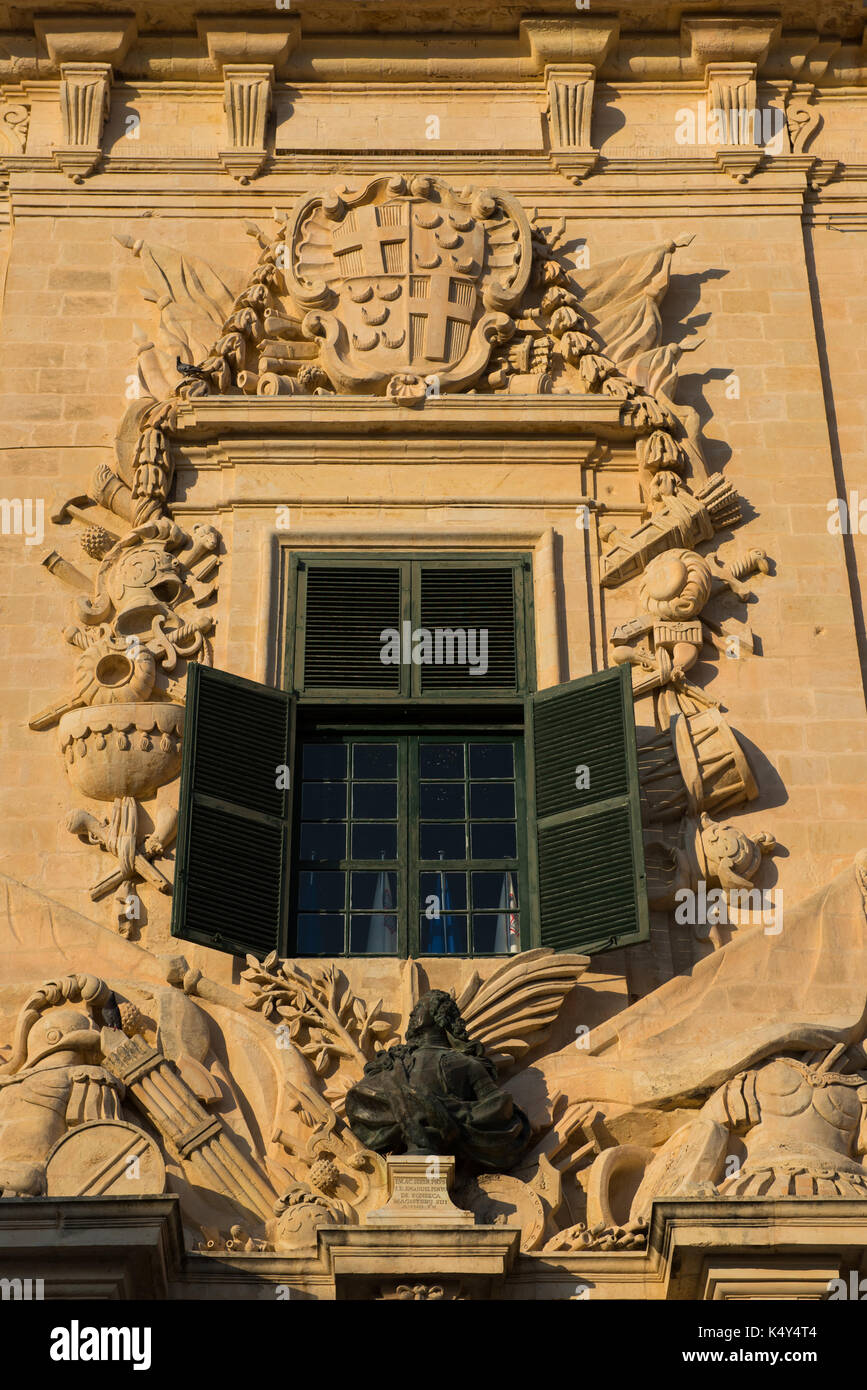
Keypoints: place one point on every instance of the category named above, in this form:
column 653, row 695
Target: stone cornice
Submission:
column 795, row 41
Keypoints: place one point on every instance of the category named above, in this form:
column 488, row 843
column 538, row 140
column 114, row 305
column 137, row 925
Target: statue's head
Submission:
column 436, row 1009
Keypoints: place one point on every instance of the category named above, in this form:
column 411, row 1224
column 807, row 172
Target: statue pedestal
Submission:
column 418, row 1193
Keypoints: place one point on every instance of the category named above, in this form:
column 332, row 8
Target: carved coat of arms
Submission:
column 407, row 280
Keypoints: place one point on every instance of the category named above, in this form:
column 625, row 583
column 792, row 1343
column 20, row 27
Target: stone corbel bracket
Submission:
column 730, row 52
column 85, row 51
column 570, row 52
column 249, row 52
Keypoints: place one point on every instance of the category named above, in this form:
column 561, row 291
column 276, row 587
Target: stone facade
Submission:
column 653, row 392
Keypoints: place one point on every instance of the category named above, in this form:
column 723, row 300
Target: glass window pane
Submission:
column 495, row 891
column 374, row 760
column 323, row 800
column 448, row 936
column 374, row 841
column 441, row 759
column 442, row 841
column 492, row 799
column 321, row 889
column 442, row 800
column 324, row 761
column 494, row 840
column 323, row 841
column 320, row 934
column 377, row 891
column 496, row 933
column 373, row 934
column 374, row 800
column 492, row 760
column 448, row 890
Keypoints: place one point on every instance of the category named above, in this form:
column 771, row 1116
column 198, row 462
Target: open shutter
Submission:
column 591, row 860
column 231, row 881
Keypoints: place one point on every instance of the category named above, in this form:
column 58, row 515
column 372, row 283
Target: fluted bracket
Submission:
column 570, row 116
column 247, row 102
column 84, row 103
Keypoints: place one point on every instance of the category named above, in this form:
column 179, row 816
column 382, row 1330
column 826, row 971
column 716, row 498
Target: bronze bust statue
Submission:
column 437, row 1094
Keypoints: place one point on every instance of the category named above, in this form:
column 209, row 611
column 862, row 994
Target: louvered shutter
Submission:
column 591, row 861
column 231, row 880
column 342, row 612
column 459, row 599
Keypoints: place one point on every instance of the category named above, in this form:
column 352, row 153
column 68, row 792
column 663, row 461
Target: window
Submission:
column 407, row 793
column 409, row 845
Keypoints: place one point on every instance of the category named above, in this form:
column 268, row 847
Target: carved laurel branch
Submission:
column 325, row 1020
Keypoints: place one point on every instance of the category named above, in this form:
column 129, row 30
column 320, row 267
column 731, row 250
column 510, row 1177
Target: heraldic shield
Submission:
column 407, row 282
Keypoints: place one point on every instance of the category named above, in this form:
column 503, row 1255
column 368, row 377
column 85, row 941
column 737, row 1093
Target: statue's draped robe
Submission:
column 452, row 1099
column 802, row 989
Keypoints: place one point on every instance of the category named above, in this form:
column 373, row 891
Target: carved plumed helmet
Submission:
column 61, row 1030
column 41, row 1018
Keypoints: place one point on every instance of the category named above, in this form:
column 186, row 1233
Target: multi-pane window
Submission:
column 409, row 843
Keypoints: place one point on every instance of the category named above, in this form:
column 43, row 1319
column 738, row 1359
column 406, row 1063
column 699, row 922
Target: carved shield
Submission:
column 407, row 280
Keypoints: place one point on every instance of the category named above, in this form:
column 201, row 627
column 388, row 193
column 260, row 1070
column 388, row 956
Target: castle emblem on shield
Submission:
column 406, row 281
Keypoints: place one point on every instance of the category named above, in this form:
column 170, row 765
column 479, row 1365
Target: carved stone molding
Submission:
column 247, row 102
column 84, row 103
column 106, row 39
column 570, row 114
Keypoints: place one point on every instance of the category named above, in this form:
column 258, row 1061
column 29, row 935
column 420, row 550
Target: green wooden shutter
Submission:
column 464, row 597
column 232, row 875
column 342, row 610
column 592, row 887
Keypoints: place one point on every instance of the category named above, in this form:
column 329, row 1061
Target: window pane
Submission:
column 374, row 841
column 449, row 890
column 442, row 800
column 373, row 934
column 374, row 890
column 492, row 760
column 441, row 841
column 373, row 760
column 495, row 891
column 319, row 934
column 324, row 761
column 323, row 841
column 494, row 840
column 323, row 800
column 492, row 799
column 441, row 759
column 448, row 936
column 321, row 889
column 496, row 933
column 374, row 800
